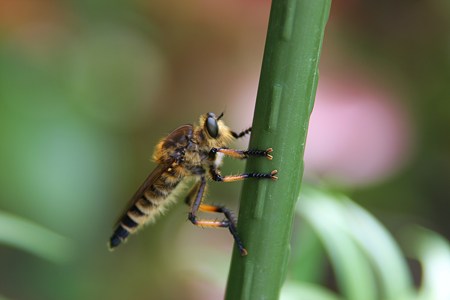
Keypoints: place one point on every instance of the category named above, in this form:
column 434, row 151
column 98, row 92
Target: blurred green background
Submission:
column 88, row 87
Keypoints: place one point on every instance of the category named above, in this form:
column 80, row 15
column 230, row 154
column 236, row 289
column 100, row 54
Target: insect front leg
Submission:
column 194, row 199
column 216, row 176
column 242, row 133
column 242, row 154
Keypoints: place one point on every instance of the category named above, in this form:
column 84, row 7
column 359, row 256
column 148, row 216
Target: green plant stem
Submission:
column 285, row 100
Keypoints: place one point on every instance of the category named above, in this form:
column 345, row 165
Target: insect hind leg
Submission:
column 194, row 199
column 230, row 222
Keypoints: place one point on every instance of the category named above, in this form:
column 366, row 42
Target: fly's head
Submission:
column 214, row 130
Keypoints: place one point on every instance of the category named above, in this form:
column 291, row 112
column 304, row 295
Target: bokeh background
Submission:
column 88, row 87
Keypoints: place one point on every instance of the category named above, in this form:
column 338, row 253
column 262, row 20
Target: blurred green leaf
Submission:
column 380, row 249
column 433, row 252
column 295, row 290
column 35, row 239
column 324, row 213
column 362, row 251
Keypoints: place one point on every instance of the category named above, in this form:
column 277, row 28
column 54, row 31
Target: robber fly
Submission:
column 189, row 151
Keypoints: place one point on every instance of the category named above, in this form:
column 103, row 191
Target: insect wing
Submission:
column 179, row 137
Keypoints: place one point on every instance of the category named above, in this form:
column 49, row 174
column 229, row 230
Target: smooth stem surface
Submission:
column 285, row 100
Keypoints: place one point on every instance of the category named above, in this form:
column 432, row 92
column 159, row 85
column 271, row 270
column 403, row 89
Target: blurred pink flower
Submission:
column 360, row 132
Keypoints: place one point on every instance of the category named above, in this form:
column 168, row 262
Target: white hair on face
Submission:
column 219, row 159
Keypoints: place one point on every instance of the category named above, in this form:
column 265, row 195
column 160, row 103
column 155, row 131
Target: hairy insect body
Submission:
column 189, row 151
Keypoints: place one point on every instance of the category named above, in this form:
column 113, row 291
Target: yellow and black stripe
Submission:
column 144, row 209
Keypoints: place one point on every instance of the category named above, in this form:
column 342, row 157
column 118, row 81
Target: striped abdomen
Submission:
column 145, row 208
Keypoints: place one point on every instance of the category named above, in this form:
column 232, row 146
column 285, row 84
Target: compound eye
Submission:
column 212, row 127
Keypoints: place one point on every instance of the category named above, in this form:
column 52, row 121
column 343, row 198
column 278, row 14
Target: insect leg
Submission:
column 193, row 192
column 242, row 154
column 196, row 205
column 242, row 133
column 216, row 176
